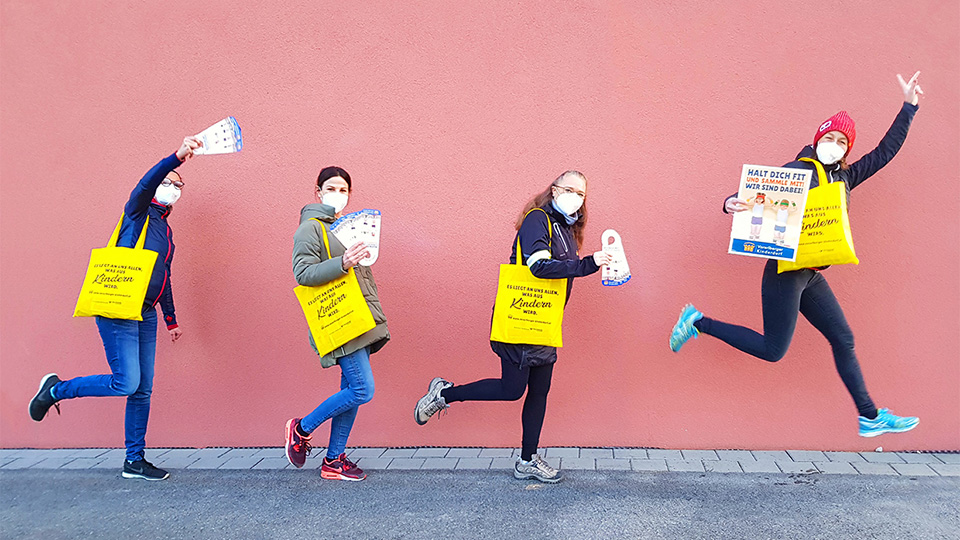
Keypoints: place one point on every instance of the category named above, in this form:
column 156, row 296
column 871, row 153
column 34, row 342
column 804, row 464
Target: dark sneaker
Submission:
column 431, row 403
column 298, row 447
column 42, row 402
column 341, row 469
column 537, row 469
column 143, row 469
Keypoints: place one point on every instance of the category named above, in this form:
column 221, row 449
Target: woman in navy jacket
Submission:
column 549, row 240
column 788, row 294
column 131, row 345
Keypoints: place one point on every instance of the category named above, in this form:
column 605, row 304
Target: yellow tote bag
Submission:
column 528, row 310
column 825, row 237
column 117, row 279
column 336, row 311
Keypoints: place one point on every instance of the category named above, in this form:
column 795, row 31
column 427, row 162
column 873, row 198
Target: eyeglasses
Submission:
column 566, row 189
column 175, row 183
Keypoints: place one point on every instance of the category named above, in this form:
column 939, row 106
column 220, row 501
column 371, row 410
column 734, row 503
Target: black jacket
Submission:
column 565, row 262
column 159, row 235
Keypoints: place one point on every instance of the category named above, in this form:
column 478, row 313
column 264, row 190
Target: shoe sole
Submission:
column 338, row 476
column 128, row 475
column 888, row 430
column 286, row 440
column 416, row 410
column 522, row 476
column 43, row 381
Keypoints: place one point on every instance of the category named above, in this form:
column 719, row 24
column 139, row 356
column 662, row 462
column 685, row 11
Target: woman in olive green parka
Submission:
column 312, row 267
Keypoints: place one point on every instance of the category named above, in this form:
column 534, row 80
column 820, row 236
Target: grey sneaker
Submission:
column 536, row 468
column 432, row 402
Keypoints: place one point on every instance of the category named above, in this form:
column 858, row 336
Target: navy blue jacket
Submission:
column 159, row 235
column 864, row 167
column 565, row 262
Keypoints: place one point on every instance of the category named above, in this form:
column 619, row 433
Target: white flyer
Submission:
column 361, row 226
column 776, row 198
column 224, row 137
column 618, row 271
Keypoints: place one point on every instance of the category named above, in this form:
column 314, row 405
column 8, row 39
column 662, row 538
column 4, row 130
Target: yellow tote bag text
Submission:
column 117, row 279
column 336, row 311
column 528, row 310
column 825, row 237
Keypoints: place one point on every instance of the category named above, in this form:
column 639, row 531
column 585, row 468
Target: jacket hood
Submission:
column 323, row 212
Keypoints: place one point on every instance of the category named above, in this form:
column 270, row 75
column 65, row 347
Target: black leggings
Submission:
column 509, row 387
column 784, row 295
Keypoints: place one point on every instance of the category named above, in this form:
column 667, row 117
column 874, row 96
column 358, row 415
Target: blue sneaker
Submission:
column 886, row 422
column 684, row 329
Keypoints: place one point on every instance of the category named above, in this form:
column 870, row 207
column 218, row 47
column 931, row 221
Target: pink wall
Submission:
column 449, row 118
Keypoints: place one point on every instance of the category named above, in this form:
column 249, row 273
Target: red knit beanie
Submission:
column 839, row 122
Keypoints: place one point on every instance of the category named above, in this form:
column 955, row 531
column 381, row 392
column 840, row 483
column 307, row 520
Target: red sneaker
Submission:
column 341, row 469
column 298, row 448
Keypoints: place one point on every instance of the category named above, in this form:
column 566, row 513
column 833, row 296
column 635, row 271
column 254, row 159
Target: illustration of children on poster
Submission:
column 776, row 197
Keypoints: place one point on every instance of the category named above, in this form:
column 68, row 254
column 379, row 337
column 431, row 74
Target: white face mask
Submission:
column 830, row 152
column 335, row 199
column 167, row 195
column 569, row 203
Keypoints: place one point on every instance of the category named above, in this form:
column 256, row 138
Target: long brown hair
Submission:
column 543, row 198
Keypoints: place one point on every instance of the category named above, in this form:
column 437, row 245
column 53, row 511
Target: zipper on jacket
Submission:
column 566, row 248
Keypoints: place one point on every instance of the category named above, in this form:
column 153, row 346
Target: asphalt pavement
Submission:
column 197, row 504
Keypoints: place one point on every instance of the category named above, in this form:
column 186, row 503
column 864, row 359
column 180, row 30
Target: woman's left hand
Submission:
column 175, row 334
column 601, row 258
column 911, row 89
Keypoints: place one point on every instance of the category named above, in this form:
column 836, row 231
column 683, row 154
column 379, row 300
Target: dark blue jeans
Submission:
column 356, row 388
column 131, row 348
column 784, row 296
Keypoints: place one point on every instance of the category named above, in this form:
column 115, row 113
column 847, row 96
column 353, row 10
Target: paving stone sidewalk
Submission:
column 600, row 459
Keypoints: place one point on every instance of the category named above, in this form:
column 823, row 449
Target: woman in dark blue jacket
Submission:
column 549, row 241
column 131, row 346
column 788, row 294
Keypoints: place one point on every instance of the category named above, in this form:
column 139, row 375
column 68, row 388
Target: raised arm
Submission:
column 891, row 142
column 145, row 189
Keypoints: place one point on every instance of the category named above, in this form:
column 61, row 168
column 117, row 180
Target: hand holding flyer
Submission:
column 362, row 226
column 618, row 271
column 224, row 137
column 770, row 225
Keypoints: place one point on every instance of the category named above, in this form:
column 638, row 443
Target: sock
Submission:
column 696, row 324
column 300, row 431
column 870, row 414
column 525, row 456
column 52, row 395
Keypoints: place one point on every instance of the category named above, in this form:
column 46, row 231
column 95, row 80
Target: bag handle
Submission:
column 326, row 241
column 821, row 174
column 116, row 234
column 549, row 229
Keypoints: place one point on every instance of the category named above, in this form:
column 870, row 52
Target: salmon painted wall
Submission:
column 449, row 116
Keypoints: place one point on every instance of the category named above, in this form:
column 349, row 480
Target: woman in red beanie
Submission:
column 806, row 291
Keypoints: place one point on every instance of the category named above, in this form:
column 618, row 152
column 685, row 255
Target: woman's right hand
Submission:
column 354, row 254
column 602, row 258
column 734, row 204
column 186, row 149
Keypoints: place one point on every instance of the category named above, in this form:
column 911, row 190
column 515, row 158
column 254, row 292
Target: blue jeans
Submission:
column 356, row 388
column 131, row 348
column 784, row 297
